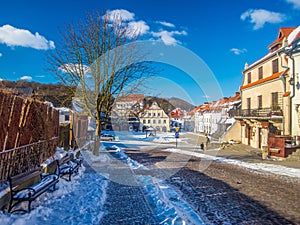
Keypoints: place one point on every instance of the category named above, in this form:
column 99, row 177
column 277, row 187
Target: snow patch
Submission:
column 259, row 167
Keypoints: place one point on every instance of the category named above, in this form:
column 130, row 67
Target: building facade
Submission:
column 155, row 117
column 128, row 106
column 293, row 54
column 265, row 95
column 214, row 118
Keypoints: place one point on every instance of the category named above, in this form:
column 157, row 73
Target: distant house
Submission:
column 200, row 120
column 189, row 121
column 177, row 118
column 64, row 115
column 214, row 118
column 155, row 117
column 128, row 106
column 126, row 111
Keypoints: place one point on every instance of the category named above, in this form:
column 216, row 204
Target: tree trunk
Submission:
column 98, row 128
column 97, row 143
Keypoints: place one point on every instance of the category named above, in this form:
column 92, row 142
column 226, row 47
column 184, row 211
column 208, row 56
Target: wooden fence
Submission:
column 24, row 121
column 28, row 133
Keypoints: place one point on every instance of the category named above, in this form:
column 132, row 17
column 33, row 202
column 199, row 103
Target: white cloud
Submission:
column 166, row 24
column 167, row 36
column 1, row 54
column 296, row 3
column 137, row 28
column 238, row 51
column 260, row 16
column 119, row 14
column 12, row 36
column 28, row 78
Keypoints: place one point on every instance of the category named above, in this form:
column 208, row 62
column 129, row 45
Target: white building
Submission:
column 155, row 117
column 293, row 53
column 213, row 118
column 128, row 106
column 64, row 115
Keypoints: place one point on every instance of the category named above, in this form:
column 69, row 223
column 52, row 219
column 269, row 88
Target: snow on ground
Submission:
column 259, row 167
column 79, row 201
column 167, row 139
column 140, row 138
column 169, row 208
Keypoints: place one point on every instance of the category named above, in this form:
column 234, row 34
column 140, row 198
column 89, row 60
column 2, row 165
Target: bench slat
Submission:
column 20, row 191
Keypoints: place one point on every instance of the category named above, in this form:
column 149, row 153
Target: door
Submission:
column 248, row 134
column 259, row 138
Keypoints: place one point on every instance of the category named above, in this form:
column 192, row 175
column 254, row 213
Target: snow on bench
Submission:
column 28, row 186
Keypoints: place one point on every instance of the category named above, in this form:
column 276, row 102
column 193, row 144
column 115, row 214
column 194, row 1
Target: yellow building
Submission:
column 265, row 95
column 155, row 117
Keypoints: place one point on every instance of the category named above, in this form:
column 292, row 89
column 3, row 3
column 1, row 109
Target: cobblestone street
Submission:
column 126, row 205
column 229, row 194
column 222, row 193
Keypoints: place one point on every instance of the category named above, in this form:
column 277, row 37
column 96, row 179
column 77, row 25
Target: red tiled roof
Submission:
column 131, row 97
column 177, row 113
column 285, row 31
column 272, row 77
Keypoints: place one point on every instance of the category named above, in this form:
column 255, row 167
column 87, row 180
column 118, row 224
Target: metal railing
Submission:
column 262, row 112
column 27, row 157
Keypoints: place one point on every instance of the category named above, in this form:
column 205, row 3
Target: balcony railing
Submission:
column 263, row 112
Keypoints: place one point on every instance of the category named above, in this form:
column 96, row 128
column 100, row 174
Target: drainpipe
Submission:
column 284, row 89
column 294, row 90
column 290, row 51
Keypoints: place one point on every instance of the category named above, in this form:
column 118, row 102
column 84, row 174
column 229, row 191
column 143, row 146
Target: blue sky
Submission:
column 224, row 34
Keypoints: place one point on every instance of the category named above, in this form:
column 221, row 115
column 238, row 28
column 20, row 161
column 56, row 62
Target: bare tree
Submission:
column 99, row 56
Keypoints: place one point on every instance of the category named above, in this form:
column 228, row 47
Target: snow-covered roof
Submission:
column 50, row 104
column 293, row 35
column 63, row 109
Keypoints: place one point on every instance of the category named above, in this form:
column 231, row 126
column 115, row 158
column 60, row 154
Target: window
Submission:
column 149, row 114
column 260, row 72
column 159, row 121
column 259, row 101
column 154, row 121
column 275, row 66
column 154, row 114
column 275, row 100
column 165, row 121
column 249, row 77
column 144, row 121
column 158, row 114
column 67, row 117
column 249, row 103
column 149, row 121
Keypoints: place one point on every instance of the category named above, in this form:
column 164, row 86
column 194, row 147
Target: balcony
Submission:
column 262, row 112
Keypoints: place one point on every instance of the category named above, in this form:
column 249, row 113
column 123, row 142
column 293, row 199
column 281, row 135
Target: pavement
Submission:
column 221, row 194
column 241, row 152
column 225, row 193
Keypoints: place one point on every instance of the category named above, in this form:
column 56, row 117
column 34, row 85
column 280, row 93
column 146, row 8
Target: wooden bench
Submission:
column 28, row 186
column 68, row 165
